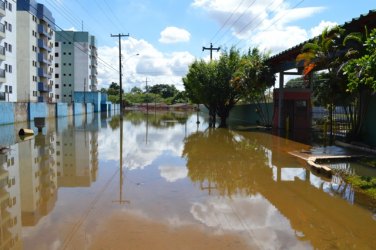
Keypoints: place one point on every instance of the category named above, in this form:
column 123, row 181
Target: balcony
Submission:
column 2, row 8
column 2, row 53
column 42, row 58
column 43, row 87
column 43, row 73
column 43, row 45
column 43, row 30
column 2, row 76
column 2, row 31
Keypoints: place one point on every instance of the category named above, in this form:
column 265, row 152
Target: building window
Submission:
column 10, row 89
column 56, row 86
column 6, row 46
column 64, row 53
column 57, row 96
column 10, row 47
column 10, row 6
column 6, row 88
column 10, row 68
column 56, row 75
column 35, row 93
column 56, row 65
column 56, row 44
column 56, row 54
column 64, row 64
column 10, row 27
column 69, row 53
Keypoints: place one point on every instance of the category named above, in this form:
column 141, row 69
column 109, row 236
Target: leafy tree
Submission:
column 163, row 90
column 220, row 84
column 136, row 90
column 361, row 75
column 253, row 77
column 328, row 52
column 200, row 84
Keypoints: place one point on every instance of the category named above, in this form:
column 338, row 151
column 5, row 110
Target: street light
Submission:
column 121, row 84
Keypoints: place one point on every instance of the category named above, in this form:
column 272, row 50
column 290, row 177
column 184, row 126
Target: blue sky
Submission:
column 170, row 34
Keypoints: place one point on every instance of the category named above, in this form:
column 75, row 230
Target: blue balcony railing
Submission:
column 43, row 87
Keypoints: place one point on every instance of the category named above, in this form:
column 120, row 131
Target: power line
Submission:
column 237, row 20
column 227, row 20
column 294, row 7
column 105, row 63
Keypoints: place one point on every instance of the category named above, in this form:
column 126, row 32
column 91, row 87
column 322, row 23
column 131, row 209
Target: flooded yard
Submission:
column 162, row 181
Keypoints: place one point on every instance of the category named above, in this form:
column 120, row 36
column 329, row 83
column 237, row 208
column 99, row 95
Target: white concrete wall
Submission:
column 81, row 66
column 26, row 56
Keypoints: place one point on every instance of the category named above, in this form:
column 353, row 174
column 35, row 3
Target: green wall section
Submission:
column 369, row 126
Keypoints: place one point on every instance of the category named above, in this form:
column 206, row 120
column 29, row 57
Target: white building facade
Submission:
column 35, row 52
column 75, row 64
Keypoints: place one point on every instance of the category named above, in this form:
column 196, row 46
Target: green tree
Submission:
column 361, row 75
column 253, row 78
column 199, row 85
column 328, row 52
column 163, row 90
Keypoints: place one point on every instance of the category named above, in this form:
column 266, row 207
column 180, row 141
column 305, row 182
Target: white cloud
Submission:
column 158, row 67
column 174, row 35
column 315, row 31
column 173, row 173
column 254, row 215
column 259, row 23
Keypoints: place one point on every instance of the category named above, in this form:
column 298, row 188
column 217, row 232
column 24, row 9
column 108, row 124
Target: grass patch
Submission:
column 364, row 184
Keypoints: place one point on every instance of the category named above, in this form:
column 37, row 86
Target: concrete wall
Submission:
column 247, row 113
column 94, row 98
column 61, row 109
column 7, row 112
column 7, row 135
column 37, row 109
column 51, row 110
column 78, row 108
column 21, row 110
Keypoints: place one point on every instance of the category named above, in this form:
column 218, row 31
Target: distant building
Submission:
column 76, row 64
column 35, row 50
column 8, row 52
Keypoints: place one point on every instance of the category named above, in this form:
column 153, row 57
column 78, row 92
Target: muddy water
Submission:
column 170, row 184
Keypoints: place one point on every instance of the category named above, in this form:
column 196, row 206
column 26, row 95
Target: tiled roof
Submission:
column 356, row 24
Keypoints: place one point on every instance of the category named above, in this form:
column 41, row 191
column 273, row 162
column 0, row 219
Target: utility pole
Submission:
column 147, row 94
column 120, row 74
column 211, row 50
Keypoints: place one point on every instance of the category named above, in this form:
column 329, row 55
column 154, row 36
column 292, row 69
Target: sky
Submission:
column 166, row 36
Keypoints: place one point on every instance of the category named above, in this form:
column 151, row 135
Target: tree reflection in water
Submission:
column 160, row 119
column 225, row 161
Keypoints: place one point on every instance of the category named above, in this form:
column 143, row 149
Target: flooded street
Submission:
column 170, row 183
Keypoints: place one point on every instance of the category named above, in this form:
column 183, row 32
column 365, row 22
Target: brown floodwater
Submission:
column 162, row 181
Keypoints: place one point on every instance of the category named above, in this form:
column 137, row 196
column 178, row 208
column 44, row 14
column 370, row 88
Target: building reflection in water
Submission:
column 10, row 210
column 65, row 154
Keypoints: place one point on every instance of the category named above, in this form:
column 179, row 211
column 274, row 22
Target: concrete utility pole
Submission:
column 120, row 74
column 147, row 94
column 211, row 50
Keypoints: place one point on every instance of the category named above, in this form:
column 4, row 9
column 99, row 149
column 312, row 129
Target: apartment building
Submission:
column 35, row 52
column 8, row 52
column 75, row 64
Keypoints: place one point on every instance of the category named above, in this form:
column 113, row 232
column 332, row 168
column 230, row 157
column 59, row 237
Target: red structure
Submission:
column 295, row 109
